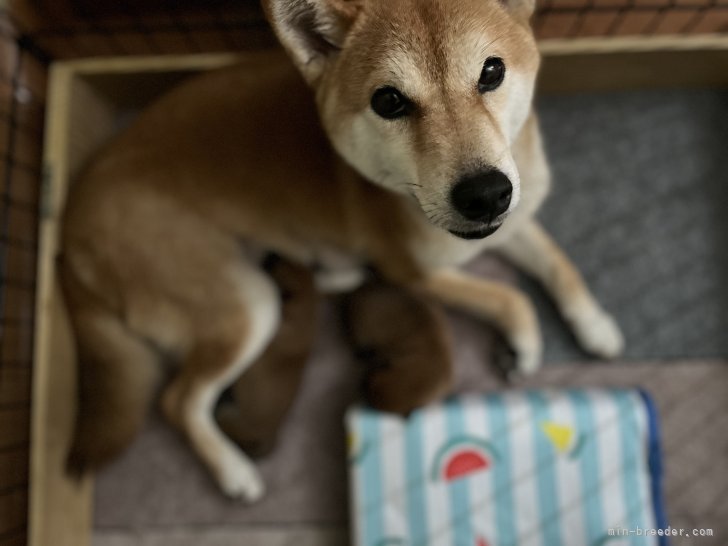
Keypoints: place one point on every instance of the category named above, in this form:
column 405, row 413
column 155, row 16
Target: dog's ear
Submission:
column 521, row 9
column 311, row 30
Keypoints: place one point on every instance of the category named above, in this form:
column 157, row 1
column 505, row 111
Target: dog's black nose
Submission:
column 482, row 196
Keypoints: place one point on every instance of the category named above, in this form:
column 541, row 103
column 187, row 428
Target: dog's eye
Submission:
column 389, row 103
column 494, row 71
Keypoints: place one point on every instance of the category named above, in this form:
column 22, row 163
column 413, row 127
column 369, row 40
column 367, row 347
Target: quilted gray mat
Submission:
column 639, row 202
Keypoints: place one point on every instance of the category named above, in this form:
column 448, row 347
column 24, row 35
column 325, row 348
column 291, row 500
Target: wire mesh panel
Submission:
column 34, row 32
column 610, row 18
column 82, row 28
column 22, row 89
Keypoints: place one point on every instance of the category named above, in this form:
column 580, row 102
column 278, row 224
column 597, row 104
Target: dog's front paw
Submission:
column 239, row 479
column 528, row 355
column 599, row 334
column 520, row 356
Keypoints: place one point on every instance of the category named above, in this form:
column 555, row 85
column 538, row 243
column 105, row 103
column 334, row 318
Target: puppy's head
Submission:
column 424, row 97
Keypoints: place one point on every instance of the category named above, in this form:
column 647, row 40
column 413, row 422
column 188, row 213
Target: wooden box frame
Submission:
column 85, row 98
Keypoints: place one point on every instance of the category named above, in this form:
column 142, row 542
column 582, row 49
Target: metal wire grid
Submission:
column 610, row 18
column 82, row 28
column 121, row 28
column 22, row 94
column 32, row 35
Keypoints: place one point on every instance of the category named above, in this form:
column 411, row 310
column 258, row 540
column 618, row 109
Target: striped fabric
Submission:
column 539, row 468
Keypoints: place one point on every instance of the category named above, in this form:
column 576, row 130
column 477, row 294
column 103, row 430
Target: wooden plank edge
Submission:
column 51, row 491
column 633, row 44
column 550, row 47
column 55, row 155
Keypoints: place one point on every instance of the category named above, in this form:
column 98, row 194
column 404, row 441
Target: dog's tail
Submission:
column 118, row 374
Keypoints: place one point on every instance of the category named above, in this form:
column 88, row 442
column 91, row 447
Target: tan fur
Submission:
column 501, row 305
column 263, row 395
column 164, row 231
column 118, row 376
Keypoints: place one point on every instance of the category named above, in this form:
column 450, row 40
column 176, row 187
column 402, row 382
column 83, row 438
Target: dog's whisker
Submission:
column 437, row 218
column 494, row 40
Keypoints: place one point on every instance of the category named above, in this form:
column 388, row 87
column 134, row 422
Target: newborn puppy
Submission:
column 401, row 339
column 263, row 395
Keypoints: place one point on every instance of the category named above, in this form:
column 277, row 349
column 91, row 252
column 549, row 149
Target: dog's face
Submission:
column 424, row 97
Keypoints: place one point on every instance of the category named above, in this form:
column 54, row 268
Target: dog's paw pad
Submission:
column 240, row 480
column 600, row 335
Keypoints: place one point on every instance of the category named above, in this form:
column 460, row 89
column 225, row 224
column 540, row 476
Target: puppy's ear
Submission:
column 312, row 31
column 521, row 9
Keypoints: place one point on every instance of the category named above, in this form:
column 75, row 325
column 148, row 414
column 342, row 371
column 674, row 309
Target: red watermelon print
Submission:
column 465, row 462
column 462, row 457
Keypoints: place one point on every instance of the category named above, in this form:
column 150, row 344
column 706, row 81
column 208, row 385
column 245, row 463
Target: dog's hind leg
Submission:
column 118, row 375
column 504, row 307
column 532, row 250
column 221, row 351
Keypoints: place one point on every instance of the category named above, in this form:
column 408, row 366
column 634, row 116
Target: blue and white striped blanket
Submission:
column 541, row 468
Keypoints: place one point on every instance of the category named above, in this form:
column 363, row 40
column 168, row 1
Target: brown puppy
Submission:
column 401, row 339
column 398, row 336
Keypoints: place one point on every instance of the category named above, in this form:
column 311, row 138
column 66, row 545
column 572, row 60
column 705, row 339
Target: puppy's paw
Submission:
column 599, row 334
column 239, row 479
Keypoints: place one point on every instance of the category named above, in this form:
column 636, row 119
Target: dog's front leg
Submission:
column 503, row 306
column 532, row 250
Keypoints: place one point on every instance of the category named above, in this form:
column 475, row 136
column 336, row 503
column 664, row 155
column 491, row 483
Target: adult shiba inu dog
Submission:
column 401, row 137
